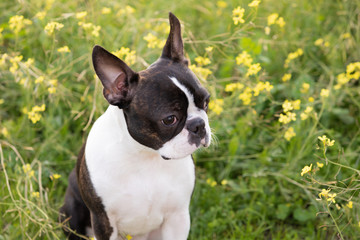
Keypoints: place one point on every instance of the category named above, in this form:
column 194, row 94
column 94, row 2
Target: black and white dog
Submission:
column 135, row 174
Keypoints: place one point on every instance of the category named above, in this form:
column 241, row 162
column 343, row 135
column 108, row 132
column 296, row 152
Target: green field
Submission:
column 285, row 109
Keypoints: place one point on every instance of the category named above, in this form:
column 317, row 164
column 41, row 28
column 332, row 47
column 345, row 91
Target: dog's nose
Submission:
column 197, row 127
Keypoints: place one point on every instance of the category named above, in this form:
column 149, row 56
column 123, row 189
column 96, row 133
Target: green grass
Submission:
column 248, row 182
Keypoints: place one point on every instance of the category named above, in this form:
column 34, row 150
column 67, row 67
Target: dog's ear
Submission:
column 117, row 78
column 174, row 48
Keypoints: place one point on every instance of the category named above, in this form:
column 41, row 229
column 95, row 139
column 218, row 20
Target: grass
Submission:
column 249, row 183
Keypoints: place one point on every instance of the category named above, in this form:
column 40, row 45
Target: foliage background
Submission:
column 249, row 183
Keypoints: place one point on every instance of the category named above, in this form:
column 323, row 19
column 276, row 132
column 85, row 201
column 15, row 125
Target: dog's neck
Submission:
column 122, row 132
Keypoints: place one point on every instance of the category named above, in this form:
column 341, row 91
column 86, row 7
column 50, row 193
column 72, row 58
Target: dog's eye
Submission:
column 170, row 120
column 206, row 104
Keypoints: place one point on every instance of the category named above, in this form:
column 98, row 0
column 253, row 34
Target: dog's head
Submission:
column 164, row 106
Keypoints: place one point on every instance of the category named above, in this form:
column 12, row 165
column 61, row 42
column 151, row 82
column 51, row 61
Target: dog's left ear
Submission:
column 117, row 78
column 174, row 48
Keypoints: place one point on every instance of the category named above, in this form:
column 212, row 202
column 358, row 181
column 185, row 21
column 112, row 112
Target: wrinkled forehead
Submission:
column 161, row 73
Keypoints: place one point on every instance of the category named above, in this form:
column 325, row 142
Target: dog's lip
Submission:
column 205, row 142
column 165, row 158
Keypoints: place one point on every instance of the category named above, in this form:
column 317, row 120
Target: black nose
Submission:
column 196, row 127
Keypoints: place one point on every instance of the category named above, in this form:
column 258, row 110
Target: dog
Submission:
column 135, row 174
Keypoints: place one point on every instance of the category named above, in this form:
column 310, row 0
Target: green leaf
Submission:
column 282, row 211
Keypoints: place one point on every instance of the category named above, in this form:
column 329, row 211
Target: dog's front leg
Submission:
column 176, row 226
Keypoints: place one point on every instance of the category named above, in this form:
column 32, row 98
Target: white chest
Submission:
column 138, row 188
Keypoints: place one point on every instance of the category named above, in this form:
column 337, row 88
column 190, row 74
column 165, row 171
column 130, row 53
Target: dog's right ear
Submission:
column 117, row 78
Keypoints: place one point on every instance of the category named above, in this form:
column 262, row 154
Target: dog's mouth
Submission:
column 205, row 142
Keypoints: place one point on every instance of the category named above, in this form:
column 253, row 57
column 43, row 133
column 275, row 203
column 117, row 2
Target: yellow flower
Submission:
column 209, row 49
column 1, row 101
column 95, row 31
column 353, row 70
column 272, row 18
column 254, row 3
column 268, row 86
column 29, row 62
column 217, row 106
column 320, row 165
column 201, row 61
column 308, row 109
column 90, row 28
column 280, row 21
column 305, row 88
column 201, row 72
column 324, row 193
column 153, row 41
column 211, row 182
column 286, row 77
column 64, row 49
column 330, row 142
column 15, row 63
column 221, row 4
column 128, row 237
column 246, row 96
column 81, row 15
column 35, row 194
column 18, row 22
column 331, row 197
column 52, row 26
column 4, row 132
column 253, row 69
column 162, row 28
column 296, row 104
column 306, row 169
column 126, row 54
column 233, row 86
column 55, row 176
column 304, row 116
column 287, row 106
column 128, row 11
column 319, row 42
column 224, row 182
column 306, row 113
column 291, row 116
column 345, row 36
column 244, row 58
column 326, row 141
column 40, row 15
column 105, row 10
column 52, row 90
column 284, row 119
column 289, row 134
column 260, row 86
column 238, row 14
column 27, row 170
column 342, row 79
column 291, row 56
column 324, row 93
column 40, row 79
column 349, row 204
column 53, row 82
column 311, row 99
column 34, row 114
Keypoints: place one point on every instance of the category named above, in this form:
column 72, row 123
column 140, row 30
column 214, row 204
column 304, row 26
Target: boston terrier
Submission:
column 135, row 173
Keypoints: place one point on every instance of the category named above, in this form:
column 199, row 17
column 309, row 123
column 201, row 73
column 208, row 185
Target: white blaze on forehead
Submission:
column 192, row 109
